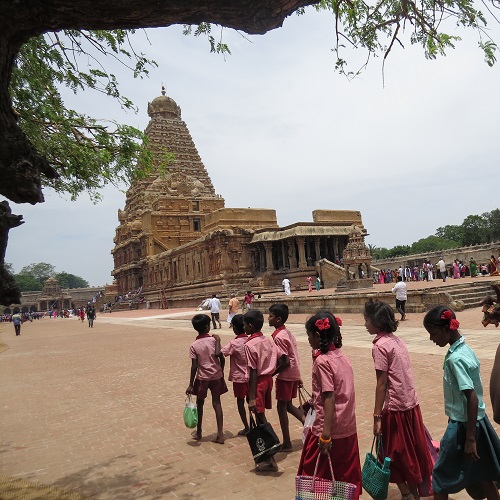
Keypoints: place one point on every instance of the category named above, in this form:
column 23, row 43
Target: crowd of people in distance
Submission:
column 428, row 271
column 25, row 316
column 469, row 455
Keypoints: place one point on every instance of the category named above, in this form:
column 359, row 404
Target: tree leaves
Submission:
column 87, row 153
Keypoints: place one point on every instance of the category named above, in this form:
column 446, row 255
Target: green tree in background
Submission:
column 450, row 232
column 67, row 280
column 493, row 222
column 474, row 230
column 32, row 278
column 28, row 283
column 432, row 244
column 41, row 271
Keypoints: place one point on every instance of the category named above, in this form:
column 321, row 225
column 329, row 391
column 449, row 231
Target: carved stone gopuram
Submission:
column 177, row 243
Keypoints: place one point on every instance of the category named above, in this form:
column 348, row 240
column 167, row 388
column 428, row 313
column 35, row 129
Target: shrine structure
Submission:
column 177, row 243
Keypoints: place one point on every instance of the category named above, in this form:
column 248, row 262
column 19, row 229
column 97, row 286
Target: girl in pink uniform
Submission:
column 334, row 430
column 396, row 413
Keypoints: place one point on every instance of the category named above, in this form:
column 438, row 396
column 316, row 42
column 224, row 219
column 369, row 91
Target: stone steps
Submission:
column 471, row 294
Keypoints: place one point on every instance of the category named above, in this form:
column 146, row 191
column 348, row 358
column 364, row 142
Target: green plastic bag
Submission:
column 190, row 413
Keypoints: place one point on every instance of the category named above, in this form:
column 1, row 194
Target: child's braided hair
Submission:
column 328, row 327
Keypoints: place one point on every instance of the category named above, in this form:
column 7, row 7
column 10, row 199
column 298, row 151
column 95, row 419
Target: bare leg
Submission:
column 440, row 496
column 296, row 412
column 219, row 418
column 199, row 407
column 405, row 491
column 284, row 424
column 490, row 490
column 243, row 415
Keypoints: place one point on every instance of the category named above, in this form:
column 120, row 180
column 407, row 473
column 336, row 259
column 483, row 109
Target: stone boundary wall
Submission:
column 480, row 253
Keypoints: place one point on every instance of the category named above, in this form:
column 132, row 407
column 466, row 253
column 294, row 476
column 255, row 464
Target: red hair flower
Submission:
column 454, row 324
column 322, row 324
column 446, row 315
column 338, row 320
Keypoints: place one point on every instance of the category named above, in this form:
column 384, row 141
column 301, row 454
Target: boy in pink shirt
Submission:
column 238, row 370
column 206, row 373
column 261, row 354
column 288, row 370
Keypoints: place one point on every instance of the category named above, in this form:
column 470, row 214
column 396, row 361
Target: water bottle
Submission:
column 387, row 463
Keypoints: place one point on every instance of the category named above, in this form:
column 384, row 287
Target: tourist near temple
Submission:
column 177, row 243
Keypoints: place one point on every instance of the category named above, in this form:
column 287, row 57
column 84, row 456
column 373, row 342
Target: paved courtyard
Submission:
column 99, row 411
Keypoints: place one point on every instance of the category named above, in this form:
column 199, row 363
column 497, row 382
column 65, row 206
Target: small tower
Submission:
column 357, row 255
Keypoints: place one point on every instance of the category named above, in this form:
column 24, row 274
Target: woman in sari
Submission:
column 493, row 266
column 473, row 267
column 456, row 269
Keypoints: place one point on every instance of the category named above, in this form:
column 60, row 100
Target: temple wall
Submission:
column 480, row 253
column 248, row 218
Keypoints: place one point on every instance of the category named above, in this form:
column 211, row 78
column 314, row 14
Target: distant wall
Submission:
column 480, row 253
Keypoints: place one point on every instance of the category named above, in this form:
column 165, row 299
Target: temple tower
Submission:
column 163, row 211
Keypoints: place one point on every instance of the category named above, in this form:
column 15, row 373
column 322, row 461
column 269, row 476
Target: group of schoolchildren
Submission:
column 469, row 455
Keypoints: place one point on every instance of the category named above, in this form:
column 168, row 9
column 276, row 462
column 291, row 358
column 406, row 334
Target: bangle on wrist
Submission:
column 377, row 415
column 325, row 441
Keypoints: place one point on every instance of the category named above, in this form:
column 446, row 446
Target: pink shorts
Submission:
column 217, row 387
column 263, row 398
column 286, row 390
column 240, row 389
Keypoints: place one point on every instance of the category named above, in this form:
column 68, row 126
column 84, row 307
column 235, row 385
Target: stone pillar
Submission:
column 292, row 259
column 302, row 252
column 336, row 248
column 268, row 247
column 283, row 254
column 317, row 247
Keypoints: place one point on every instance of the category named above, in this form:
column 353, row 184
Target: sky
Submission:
column 277, row 127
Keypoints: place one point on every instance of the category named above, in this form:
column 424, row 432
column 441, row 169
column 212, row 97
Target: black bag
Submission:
column 262, row 439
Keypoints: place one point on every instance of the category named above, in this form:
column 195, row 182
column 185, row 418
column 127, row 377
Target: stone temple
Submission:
column 177, row 243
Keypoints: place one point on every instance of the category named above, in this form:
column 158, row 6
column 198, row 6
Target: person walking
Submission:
column 16, row 321
column 286, row 286
column 401, row 291
column 215, row 310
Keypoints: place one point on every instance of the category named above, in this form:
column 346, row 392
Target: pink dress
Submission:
column 456, row 271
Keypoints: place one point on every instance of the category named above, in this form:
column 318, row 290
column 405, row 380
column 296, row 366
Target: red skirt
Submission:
column 345, row 460
column 405, row 442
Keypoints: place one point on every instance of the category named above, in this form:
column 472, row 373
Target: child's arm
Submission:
column 252, row 390
column 470, row 450
column 222, row 360
column 194, row 369
column 495, row 387
column 380, row 391
column 218, row 352
column 329, row 407
column 282, row 364
column 217, row 344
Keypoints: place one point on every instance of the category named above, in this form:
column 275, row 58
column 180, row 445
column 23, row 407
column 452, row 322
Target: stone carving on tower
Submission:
column 357, row 255
column 164, row 211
